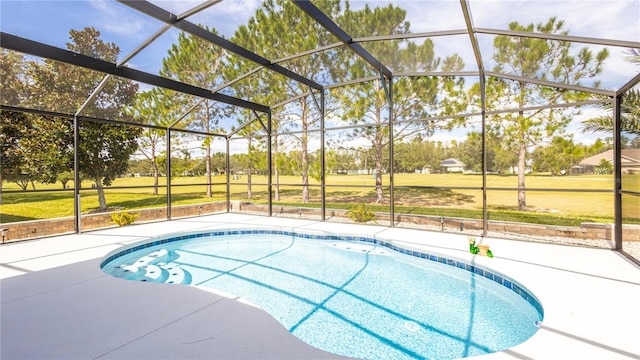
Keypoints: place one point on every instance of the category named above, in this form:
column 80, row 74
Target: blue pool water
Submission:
column 361, row 298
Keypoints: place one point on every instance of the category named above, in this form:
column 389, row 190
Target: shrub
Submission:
column 123, row 217
column 604, row 168
column 360, row 213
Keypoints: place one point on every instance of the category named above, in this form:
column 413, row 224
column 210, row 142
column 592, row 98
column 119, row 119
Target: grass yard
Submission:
column 462, row 196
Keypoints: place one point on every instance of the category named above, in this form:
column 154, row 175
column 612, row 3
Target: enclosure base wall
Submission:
column 33, row 229
column 586, row 231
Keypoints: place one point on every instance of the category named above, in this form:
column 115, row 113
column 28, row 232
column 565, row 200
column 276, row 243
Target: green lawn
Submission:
column 464, row 199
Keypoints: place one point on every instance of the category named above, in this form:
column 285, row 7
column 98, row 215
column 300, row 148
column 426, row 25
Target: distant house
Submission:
column 451, row 166
column 630, row 161
column 424, row 170
column 513, row 169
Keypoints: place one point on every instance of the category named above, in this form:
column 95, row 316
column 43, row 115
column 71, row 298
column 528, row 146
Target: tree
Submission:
column 197, row 62
column 104, row 148
column 47, row 150
column 64, row 178
column 254, row 158
column 264, row 33
column 414, row 154
column 559, row 156
column 12, row 125
column 629, row 116
column 471, row 152
column 629, row 109
column 13, row 70
column 154, row 107
column 542, row 59
column 34, row 148
column 13, row 128
column 219, row 162
column 604, row 168
column 414, row 98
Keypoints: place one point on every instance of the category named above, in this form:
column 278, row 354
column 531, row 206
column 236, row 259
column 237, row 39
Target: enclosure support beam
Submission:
column 392, row 218
column 122, row 62
column 483, row 100
column 323, row 180
column 320, row 107
column 168, row 145
column 322, row 19
column 553, row 84
column 559, row 37
column 76, row 175
column 237, row 130
column 315, row 100
column 267, row 129
column 165, row 16
column 189, row 110
column 617, row 142
column 472, row 37
column 16, row 43
column 228, row 167
column 628, row 85
column 269, row 160
column 617, row 168
column 385, row 87
column 95, row 93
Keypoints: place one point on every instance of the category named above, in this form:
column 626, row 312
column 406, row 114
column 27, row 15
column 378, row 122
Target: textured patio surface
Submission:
column 56, row 303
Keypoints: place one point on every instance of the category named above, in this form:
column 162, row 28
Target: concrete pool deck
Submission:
column 56, row 303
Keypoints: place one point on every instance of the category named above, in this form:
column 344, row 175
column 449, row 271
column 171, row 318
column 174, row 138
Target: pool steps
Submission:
column 177, row 275
column 154, row 267
column 155, row 273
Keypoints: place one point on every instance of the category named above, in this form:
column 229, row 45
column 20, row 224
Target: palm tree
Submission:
column 629, row 110
column 634, row 56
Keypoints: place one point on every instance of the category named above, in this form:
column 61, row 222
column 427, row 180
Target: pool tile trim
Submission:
column 474, row 269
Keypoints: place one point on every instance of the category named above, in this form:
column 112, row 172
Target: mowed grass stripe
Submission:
column 557, row 207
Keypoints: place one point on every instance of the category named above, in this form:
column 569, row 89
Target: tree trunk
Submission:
column 522, row 157
column 381, row 102
column 378, row 157
column 23, row 184
column 249, row 168
column 207, row 147
column 276, row 187
column 305, row 169
column 249, row 194
column 522, row 154
column 305, row 153
column 1, row 187
column 156, row 175
column 101, row 199
column 379, row 194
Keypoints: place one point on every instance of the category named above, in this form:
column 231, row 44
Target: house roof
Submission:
column 451, row 162
column 629, row 156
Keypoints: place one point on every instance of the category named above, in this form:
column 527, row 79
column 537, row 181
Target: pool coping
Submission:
column 589, row 296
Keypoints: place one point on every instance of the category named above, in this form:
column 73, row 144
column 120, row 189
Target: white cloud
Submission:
column 582, row 17
column 227, row 16
column 121, row 21
column 176, row 7
column 427, row 16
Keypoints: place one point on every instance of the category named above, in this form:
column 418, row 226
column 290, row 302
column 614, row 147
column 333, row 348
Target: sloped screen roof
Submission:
column 304, row 47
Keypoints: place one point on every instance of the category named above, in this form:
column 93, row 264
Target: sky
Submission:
column 49, row 21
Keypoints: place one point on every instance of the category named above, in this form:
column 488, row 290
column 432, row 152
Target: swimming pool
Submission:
column 350, row 295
